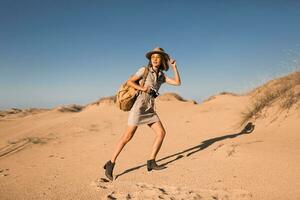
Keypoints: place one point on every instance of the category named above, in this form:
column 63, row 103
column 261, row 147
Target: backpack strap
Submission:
column 145, row 76
column 146, row 72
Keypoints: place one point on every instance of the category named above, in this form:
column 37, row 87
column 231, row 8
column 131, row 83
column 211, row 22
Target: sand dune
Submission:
column 59, row 153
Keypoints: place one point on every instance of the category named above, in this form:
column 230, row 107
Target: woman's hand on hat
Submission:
column 172, row 62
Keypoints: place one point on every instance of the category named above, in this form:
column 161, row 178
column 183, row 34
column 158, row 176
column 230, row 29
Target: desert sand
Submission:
column 59, row 153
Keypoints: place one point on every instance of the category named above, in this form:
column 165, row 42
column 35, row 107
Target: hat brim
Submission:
column 148, row 55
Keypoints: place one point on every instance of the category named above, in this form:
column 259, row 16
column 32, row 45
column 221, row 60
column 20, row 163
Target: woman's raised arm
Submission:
column 176, row 80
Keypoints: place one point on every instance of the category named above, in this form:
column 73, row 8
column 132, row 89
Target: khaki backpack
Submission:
column 127, row 95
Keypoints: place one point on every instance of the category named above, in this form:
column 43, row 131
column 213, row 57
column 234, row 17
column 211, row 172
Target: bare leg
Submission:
column 160, row 135
column 126, row 137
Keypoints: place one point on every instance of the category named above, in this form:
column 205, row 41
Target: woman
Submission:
column 143, row 111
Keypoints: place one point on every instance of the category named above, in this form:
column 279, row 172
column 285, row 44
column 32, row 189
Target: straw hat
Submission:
column 158, row 50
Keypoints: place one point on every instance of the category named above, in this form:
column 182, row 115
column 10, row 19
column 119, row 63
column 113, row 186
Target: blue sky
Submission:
column 55, row 52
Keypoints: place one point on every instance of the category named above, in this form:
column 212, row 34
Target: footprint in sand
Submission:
column 111, row 197
column 17, row 145
column 228, row 149
column 130, row 191
column 166, row 192
column 232, row 150
column 94, row 128
column 102, row 183
column 4, row 172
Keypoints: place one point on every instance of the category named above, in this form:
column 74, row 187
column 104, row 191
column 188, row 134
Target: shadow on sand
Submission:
column 247, row 129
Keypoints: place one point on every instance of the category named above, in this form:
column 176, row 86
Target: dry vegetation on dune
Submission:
column 16, row 112
column 109, row 99
column 284, row 91
column 70, row 108
column 170, row 96
column 221, row 93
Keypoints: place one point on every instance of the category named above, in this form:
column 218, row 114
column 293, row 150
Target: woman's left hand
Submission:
column 176, row 80
column 172, row 62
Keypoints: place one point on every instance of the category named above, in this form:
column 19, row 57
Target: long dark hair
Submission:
column 164, row 63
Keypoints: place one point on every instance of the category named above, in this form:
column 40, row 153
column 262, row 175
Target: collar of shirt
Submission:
column 153, row 71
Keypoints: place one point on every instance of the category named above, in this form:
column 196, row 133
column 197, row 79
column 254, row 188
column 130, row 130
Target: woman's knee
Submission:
column 158, row 129
column 128, row 135
column 126, row 139
column 161, row 133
